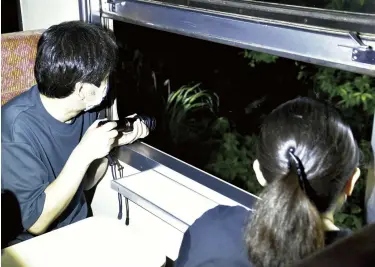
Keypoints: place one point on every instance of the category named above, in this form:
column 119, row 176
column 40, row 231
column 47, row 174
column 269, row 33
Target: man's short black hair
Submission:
column 72, row 52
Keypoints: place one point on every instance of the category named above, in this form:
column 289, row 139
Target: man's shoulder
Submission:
column 18, row 105
column 23, row 99
column 15, row 113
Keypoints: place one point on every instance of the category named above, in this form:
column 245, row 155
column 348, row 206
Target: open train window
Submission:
column 246, row 54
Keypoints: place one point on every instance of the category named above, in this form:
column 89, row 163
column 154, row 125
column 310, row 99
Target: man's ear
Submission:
column 258, row 173
column 85, row 90
column 79, row 90
column 352, row 181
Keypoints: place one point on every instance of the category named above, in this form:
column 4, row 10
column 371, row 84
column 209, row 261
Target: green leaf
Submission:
column 355, row 209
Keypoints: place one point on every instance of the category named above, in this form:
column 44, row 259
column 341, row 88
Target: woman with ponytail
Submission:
column 307, row 161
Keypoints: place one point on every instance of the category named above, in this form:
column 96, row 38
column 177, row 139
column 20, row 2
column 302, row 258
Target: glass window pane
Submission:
column 361, row 6
column 355, row 15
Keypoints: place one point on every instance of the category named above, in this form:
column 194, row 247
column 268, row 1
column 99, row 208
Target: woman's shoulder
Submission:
column 216, row 235
column 222, row 219
column 225, row 212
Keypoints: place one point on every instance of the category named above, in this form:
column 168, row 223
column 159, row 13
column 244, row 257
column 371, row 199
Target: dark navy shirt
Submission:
column 34, row 149
column 217, row 239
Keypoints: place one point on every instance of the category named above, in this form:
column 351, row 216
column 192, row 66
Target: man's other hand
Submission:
column 98, row 141
column 140, row 130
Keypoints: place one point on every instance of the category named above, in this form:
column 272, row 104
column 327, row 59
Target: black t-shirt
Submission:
column 34, row 149
column 217, row 239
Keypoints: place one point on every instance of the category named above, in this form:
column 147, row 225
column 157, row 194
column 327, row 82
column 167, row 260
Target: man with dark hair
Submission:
column 52, row 148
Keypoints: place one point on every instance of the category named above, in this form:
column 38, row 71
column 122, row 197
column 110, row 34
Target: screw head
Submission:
column 355, row 51
column 354, row 58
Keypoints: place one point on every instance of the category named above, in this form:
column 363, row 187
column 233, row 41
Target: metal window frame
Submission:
column 316, row 45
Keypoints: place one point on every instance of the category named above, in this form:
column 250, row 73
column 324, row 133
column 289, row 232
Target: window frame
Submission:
column 316, row 45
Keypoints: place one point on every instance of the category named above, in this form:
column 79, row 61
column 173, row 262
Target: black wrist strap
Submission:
column 113, row 162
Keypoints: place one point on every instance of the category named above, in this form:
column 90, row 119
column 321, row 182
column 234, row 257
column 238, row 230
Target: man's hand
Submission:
column 98, row 141
column 140, row 131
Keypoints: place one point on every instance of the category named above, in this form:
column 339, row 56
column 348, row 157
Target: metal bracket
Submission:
column 115, row 1
column 361, row 52
column 364, row 56
column 113, row 4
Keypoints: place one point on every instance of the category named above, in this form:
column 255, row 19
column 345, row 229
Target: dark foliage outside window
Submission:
column 210, row 100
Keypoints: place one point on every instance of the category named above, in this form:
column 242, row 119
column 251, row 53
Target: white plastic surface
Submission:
column 93, row 242
column 171, row 196
column 171, row 191
column 197, row 187
column 105, row 204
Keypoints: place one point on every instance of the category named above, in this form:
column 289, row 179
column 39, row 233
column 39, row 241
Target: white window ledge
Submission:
column 165, row 195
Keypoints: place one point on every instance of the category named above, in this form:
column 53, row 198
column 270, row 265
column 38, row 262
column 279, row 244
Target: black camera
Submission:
column 126, row 124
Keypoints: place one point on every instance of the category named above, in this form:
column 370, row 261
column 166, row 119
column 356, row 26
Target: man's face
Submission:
column 93, row 95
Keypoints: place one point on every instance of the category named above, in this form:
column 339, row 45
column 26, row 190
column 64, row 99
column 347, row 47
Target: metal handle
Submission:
column 358, row 40
column 360, row 45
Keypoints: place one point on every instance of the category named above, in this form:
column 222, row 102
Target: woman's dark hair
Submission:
column 72, row 52
column 306, row 154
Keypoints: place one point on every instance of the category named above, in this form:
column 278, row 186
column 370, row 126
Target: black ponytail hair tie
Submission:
column 296, row 165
